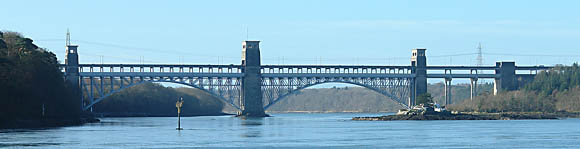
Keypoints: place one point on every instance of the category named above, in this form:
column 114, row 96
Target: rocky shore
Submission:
column 472, row 116
column 433, row 111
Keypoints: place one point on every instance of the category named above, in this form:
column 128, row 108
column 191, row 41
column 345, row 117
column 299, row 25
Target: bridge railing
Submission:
column 159, row 68
column 308, row 70
column 478, row 71
column 462, row 72
column 335, row 69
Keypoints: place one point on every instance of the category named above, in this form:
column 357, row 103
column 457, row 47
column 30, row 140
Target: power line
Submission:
column 549, row 55
column 157, row 51
column 450, row 55
column 479, row 53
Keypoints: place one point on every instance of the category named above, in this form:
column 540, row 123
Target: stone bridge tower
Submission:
column 251, row 103
column 506, row 81
column 72, row 69
column 419, row 67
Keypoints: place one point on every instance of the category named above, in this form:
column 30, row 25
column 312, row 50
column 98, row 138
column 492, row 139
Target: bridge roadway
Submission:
column 174, row 70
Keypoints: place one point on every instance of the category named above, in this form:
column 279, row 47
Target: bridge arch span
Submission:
column 396, row 89
column 101, row 95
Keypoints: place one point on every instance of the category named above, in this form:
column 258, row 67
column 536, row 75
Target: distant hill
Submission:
column 359, row 99
column 156, row 100
column 459, row 92
column 346, row 99
column 151, row 99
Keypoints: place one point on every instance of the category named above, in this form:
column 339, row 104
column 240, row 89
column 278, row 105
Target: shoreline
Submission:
column 329, row 112
column 101, row 115
column 64, row 122
column 46, row 123
column 475, row 116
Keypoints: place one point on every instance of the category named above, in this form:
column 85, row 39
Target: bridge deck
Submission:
column 463, row 76
column 337, row 75
column 273, row 71
column 159, row 74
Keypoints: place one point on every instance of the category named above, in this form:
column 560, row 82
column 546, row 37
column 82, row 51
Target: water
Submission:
column 300, row 130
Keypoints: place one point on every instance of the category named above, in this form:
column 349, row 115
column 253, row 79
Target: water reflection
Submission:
column 252, row 127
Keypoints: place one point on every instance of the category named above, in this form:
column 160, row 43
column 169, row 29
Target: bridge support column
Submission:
column 447, row 91
column 412, row 96
column 72, row 75
column 251, row 100
column 473, row 88
column 506, row 80
column 419, row 68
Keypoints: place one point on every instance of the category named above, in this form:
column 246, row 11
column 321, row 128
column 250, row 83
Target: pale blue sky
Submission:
column 303, row 32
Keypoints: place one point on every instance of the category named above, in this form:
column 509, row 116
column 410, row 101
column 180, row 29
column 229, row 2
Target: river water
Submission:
column 300, row 130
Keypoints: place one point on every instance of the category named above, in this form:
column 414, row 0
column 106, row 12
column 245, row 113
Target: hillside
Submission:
column 151, row 99
column 31, row 83
column 347, row 99
column 359, row 99
column 554, row 90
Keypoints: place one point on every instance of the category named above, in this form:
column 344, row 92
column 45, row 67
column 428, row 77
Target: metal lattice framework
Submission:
column 222, row 82
column 98, row 81
column 95, row 89
column 279, row 81
column 276, row 89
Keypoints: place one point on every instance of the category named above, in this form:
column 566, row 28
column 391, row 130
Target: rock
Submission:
column 424, row 115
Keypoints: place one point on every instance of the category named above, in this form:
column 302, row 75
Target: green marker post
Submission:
column 179, row 104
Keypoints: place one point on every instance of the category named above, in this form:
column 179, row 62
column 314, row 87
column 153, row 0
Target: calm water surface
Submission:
column 300, row 130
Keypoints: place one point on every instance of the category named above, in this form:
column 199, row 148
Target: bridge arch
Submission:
column 397, row 92
column 104, row 96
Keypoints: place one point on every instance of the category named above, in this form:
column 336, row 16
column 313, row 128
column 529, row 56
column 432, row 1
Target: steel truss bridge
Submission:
column 276, row 82
column 99, row 81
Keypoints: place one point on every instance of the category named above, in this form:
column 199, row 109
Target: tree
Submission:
column 424, row 99
column 30, row 81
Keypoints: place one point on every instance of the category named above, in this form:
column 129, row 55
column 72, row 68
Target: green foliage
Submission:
column 424, row 99
column 155, row 99
column 514, row 101
column 30, row 78
column 568, row 100
column 555, row 80
column 553, row 90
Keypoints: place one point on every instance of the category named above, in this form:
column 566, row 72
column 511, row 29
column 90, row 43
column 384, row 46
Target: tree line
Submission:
column 554, row 90
column 152, row 99
column 31, row 83
column 32, row 86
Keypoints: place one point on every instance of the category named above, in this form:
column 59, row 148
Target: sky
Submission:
column 303, row 31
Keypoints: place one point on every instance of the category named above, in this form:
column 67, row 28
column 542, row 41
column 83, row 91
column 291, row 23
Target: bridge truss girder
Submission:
column 96, row 88
column 275, row 89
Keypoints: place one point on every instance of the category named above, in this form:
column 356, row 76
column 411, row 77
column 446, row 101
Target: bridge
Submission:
column 252, row 87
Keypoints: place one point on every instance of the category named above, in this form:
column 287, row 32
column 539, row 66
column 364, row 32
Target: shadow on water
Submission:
column 252, row 127
column 27, row 144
